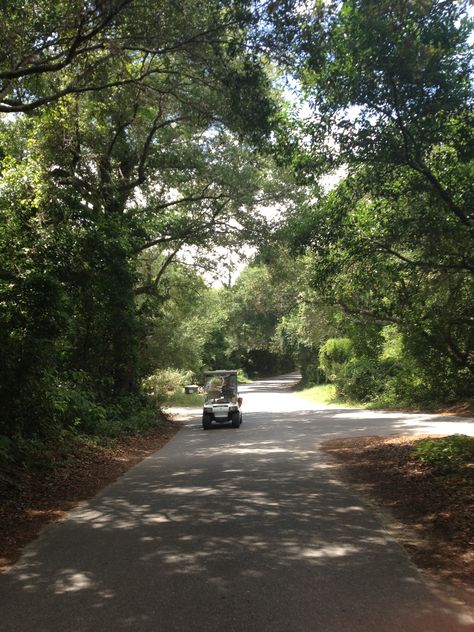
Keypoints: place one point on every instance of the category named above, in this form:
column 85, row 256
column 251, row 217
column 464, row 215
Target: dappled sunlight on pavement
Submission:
column 241, row 530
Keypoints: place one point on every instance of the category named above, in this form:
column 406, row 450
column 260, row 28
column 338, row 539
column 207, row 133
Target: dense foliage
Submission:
column 392, row 245
column 131, row 135
column 383, row 259
column 139, row 147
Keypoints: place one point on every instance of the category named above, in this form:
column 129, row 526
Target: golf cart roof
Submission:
column 222, row 372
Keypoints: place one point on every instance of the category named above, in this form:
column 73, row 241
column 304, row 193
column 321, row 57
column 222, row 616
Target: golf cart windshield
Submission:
column 220, row 389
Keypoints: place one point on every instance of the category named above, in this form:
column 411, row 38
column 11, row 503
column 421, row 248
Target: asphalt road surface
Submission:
column 232, row 530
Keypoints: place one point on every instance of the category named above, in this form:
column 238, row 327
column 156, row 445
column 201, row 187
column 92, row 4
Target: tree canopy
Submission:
column 390, row 86
column 132, row 130
column 142, row 146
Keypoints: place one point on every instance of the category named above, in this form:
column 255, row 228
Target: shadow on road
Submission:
column 245, row 530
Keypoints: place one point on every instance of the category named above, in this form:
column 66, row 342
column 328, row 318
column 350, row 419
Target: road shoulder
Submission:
column 429, row 514
column 32, row 500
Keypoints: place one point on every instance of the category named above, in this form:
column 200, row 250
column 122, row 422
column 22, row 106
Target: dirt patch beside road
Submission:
column 431, row 512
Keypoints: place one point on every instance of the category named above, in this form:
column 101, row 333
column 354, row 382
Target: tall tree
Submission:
column 142, row 138
column 391, row 95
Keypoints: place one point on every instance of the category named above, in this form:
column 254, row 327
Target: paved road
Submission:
column 232, row 530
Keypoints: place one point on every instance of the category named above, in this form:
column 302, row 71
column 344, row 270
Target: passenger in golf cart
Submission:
column 222, row 402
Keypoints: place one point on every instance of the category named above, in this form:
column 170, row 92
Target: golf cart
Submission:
column 222, row 402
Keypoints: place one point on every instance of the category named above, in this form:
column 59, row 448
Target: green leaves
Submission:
column 388, row 85
column 142, row 135
column 447, row 453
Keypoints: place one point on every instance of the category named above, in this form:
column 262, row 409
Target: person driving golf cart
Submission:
column 221, row 401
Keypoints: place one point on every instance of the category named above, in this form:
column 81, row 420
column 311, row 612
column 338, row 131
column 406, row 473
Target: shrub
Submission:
column 362, row 379
column 133, row 414
column 166, row 381
column 311, row 371
column 447, row 453
column 242, row 377
column 334, row 355
column 76, row 406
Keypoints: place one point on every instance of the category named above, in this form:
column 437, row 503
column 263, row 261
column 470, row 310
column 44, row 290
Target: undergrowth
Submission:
column 324, row 394
column 126, row 416
column 446, row 453
column 180, row 398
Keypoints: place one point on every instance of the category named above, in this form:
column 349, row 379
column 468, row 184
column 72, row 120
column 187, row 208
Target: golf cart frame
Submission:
column 222, row 402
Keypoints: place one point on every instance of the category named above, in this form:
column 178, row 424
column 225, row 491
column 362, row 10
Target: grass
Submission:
column 242, row 378
column 184, row 399
column 325, row 394
column 462, row 409
column 322, row 394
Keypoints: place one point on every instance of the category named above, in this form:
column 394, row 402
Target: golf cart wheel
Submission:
column 206, row 422
column 235, row 420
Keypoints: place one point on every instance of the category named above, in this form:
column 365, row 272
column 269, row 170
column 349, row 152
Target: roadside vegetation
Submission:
column 180, row 398
column 447, row 454
column 324, row 394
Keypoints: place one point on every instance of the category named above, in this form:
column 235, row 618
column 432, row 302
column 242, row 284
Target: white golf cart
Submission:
column 222, row 402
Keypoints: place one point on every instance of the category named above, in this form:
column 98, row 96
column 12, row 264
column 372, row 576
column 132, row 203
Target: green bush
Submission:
column 311, row 372
column 362, row 379
column 447, row 453
column 76, row 407
column 334, row 355
column 133, row 414
column 166, row 381
column 80, row 413
column 242, row 377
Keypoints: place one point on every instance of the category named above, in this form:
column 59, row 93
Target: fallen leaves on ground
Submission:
column 30, row 500
column 435, row 508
